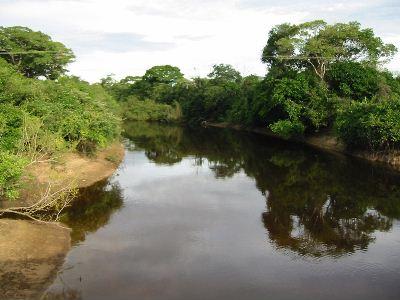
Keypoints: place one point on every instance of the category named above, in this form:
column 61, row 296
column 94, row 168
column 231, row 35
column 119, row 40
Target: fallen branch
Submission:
column 48, row 208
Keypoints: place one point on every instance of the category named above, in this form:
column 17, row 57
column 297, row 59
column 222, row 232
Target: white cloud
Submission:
column 127, row 37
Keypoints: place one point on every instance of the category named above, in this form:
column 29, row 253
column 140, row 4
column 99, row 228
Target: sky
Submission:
column 127, row 37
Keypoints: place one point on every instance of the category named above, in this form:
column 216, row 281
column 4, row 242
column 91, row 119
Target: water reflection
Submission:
column 316, row 204
column 92, row 209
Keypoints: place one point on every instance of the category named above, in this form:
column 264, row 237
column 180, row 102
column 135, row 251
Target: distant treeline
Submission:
column 320, row 77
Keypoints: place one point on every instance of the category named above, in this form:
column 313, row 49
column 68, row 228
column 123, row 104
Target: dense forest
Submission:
column 319, row 77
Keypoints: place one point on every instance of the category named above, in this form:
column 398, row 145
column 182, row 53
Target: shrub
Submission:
column 82, row 114
column 40, row 117
column 148, row 110
column 353, row 80
column 11, row 119
column 288, row 128
column 297, row 104
column 370, row 125
column 11, row 168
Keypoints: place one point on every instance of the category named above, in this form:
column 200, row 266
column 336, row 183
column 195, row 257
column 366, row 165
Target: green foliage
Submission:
column 11, row 169
column 163, row 74
column 224, row 73
column 148, row 110
column 293, row 100
column 158, row 84
column 243, row 107
column 11, row 120
column 316, row 45
column 83, row 115
column 34, row 53
column 316, row 71
column 288, row 128
column 42, row 117
column 297, row 103
column 389, row 85
column 120, row 90
column 354, row 80
column 370, row 125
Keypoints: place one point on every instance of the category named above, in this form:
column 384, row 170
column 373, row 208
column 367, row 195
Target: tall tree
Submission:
column 163, row 74
column 225, row 73
column 316, row 45
column 34, row 53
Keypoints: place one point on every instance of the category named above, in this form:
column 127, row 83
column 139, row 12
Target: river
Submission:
column 220, row 214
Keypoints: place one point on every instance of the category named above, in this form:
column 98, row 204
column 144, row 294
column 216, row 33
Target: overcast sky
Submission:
column 126, row 37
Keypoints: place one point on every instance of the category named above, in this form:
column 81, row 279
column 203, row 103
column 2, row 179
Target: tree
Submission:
column 122, row 89
column 225, row 73
column 316, row 45
column 163, row 74
column 353, row 80
column 34, row 53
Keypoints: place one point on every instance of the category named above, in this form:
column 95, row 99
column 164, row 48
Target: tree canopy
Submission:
column 163, row 74
column 224, row 73
column 318, row 45
column 321, row 77
column 34, row 53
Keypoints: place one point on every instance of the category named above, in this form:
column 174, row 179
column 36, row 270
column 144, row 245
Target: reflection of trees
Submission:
column 319, row 207
column 92, row 209
column 317, row 204
column 318, row 230
column 158, row 140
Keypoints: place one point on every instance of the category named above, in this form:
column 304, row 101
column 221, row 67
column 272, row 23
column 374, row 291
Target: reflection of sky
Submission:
column 145, row 173
column 183, row 234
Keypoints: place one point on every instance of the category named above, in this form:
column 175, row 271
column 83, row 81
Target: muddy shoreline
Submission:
column 31, row 252
column 326, row 142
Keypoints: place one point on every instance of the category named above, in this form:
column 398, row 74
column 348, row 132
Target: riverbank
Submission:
column 30, row 255
column 32, row 252
column 84, row 170
column 80, row 170
column 326, row 142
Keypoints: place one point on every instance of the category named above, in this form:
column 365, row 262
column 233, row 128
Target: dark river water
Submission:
column 220, row 214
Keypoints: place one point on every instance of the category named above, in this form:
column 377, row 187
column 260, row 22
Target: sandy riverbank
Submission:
column 31, row 252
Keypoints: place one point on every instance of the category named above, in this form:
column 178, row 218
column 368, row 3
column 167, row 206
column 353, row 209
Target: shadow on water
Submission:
column 92, row 209
column 317, row 204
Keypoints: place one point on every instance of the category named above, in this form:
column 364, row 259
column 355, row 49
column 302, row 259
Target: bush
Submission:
column 78, row 112
column 297, row 104
column 288, row 128
column 11, row 168
column 353, row 80
column 370, row 125
column 40, row 117
column 148, row 110
column 11, row 120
